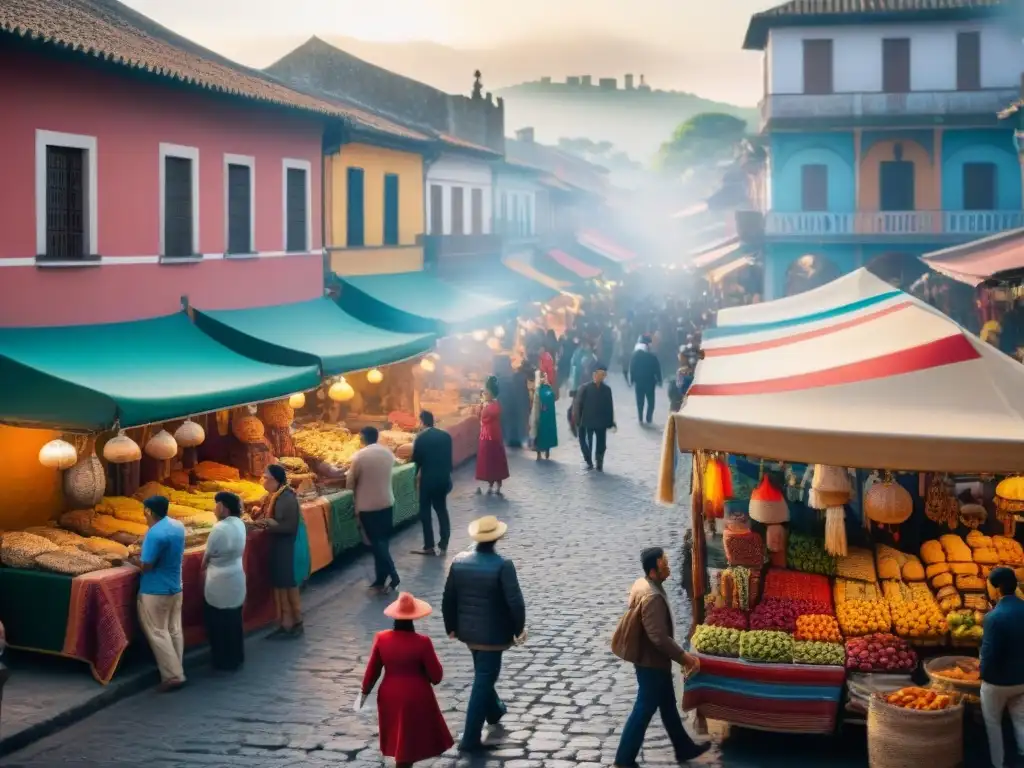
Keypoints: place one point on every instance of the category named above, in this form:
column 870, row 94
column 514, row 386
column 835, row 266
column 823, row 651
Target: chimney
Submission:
column 629, row 82
column 586, row 81
column 525, row 135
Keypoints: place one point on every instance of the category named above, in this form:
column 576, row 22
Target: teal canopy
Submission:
column 89, row 377
column 418, row 302
column 316, row 332
column 502, row 282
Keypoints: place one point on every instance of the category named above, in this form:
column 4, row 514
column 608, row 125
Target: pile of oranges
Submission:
column 818, row 628
column 921, row 699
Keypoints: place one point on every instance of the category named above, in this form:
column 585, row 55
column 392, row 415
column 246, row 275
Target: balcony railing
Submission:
column 783, row 106
column 966, row 224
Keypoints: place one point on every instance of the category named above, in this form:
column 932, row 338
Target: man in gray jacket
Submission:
column 483, row 607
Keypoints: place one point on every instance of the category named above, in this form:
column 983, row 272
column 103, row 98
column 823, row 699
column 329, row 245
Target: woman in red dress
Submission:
column 491, row 461
column 411, row 725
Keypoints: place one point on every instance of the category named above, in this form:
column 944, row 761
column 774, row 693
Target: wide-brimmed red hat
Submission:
column 407, row 607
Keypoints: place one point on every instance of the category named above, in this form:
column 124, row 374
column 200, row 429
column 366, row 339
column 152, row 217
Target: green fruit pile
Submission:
column 717, row 641
column 807, row 554
column 767, row 645
column 808, row 652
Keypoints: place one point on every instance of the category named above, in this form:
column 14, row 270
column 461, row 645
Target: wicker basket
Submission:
column 907, row 738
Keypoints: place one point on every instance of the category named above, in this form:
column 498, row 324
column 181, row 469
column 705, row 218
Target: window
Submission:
column 896, row 65
column 179, row 201
column 476, row 211
column 817, row 66
column 896, row 185
column 504, row 213
column 355, row 190
column 979, row 186
column 968, row 61
column 436, row 209
column 241, row 203
column 814, row 188
column 390, row 209
column 65, row 188
column 529, row 216
column 458, row 211
column 298, row 206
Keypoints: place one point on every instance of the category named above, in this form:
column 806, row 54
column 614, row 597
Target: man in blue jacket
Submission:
column 483, row 607
column 1002, row 664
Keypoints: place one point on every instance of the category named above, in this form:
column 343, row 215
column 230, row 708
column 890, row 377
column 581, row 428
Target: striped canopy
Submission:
column 855, row 374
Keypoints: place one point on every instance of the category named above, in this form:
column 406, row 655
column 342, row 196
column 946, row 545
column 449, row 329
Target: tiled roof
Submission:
column 565, row 168
column 829, row 10
column 460, row 143
column 113, row 32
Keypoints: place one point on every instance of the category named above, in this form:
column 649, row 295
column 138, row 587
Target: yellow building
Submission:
column 373, row 203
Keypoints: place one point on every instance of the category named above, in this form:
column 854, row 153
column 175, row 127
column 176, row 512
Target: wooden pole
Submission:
column 697, row 528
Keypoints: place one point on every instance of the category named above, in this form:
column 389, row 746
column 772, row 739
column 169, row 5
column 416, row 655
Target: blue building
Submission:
column 880, row 122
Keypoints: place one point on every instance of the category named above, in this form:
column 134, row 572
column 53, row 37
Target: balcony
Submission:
column 883, row 107
column 927, row 225
column 448, row 253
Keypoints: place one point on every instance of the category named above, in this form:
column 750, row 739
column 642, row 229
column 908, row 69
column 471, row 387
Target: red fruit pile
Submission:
column 880, row 652
column 798, row 586
column 781, row 614
column 733, row 618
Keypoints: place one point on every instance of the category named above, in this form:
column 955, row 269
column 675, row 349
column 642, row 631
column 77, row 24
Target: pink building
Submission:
column 142, row 170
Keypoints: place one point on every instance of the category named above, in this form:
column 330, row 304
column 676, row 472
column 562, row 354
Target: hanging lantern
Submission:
column 189, row 434
column 1009, row 503
column 499, row 331
column 58, row 454
column 717, row 488
column 494, row 344
column 830, row 491
column 768, row 506
column 298, row 400
column 341, row 392
column 888, row 503
column 374, row 376
column 121, row 449
column 479, row 335
column 162, row 446
column 427, row 365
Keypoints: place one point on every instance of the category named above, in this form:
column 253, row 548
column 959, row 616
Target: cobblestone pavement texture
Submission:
column 575, row 538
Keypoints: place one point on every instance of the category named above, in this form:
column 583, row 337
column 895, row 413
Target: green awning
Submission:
column 316, row 332
column 418, row 302
column 88, row 377
column 507, row 282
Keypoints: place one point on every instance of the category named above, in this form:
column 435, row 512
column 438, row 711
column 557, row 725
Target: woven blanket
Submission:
column 789, row 698
column 343, row 530
column 101, row 619
column 407, row 504
column 316, row 515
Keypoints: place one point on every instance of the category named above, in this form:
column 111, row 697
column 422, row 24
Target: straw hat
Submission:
column 487, row 528
column 408, row 607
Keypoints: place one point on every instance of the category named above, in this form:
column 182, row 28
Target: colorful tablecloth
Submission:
column 786, row 698
column 316, row 515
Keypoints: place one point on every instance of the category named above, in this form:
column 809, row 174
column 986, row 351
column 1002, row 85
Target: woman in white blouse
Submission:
column 224, row 587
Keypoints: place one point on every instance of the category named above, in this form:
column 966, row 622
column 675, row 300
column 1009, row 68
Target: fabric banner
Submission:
column 316, row 516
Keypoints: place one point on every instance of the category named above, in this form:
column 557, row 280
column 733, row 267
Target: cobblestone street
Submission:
column 576, row 540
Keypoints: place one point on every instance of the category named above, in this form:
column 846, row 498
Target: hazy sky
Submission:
column 255, row 31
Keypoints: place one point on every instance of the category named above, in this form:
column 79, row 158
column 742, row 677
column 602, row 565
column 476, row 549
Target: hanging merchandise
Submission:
column 888, row 504
column 940, row 506
column 298, row 400
column 768, row 506
column 162, row 448
column 717, row 488
column 123, row 457
column 85, row 483
column 277, row 417
column 973, row 516
column 189, row 436
column 1009, row 503
column 58, row 454
column 830, row 489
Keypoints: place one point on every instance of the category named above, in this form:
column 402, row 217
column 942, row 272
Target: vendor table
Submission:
column 785, row 698
column 465, row 436
column 340, row 510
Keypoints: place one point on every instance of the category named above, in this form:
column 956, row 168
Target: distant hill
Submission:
column 636, row 121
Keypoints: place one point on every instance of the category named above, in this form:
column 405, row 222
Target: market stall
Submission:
column 876, row 426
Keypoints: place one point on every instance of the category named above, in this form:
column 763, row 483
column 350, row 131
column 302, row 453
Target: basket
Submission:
column 907, row 738
column 945, row 662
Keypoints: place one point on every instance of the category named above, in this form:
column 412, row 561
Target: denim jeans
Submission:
column 655, row 693
column 484, row 704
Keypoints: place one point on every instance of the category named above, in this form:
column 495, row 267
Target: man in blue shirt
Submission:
column 159, row 602
column 1002, row 666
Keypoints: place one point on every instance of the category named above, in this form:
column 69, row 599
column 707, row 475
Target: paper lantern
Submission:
column 830, row 487
column 888, row 503
column 493, row 344
column 374, row 376
column 58, row 454
column 298, row 400
column 479, row 335
column 162, row 446
column 189, row 434
column 247, row 428
column 121, row 449
column 499, row 331
column 768, row 506
column 427, row 365
column 341, row 392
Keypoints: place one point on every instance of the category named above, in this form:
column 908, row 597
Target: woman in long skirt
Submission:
column 543, row 420
column 491, row 460
column 224, row 584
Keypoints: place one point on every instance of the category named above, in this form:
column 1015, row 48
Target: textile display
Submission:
column 316, row 515
column 787, row 698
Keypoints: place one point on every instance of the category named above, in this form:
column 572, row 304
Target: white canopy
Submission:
column 855, row 374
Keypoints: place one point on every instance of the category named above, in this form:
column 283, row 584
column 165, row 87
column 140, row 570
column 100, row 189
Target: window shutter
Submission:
column 178, row 223
column 239, row 209
column 968, row 61
column 298, row 216
column 814, row 187
column 391, row 218
column 477, row 211
column 458, row 212
column 436, row 209
column 65, row 203
column 818, row 67
column 356, row 210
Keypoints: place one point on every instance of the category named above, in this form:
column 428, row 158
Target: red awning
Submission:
column 574, row 265
column 605, row 247
column 980, row 260
column 712, row 255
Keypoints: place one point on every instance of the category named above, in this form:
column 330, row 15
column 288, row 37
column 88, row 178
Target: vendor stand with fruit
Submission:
column 862, row 382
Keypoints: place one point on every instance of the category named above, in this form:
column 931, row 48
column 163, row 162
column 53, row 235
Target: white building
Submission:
column 460, row 195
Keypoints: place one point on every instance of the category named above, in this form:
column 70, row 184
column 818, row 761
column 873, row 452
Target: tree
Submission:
column 702, row 140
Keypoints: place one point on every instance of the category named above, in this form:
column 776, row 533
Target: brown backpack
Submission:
column 629, row 631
